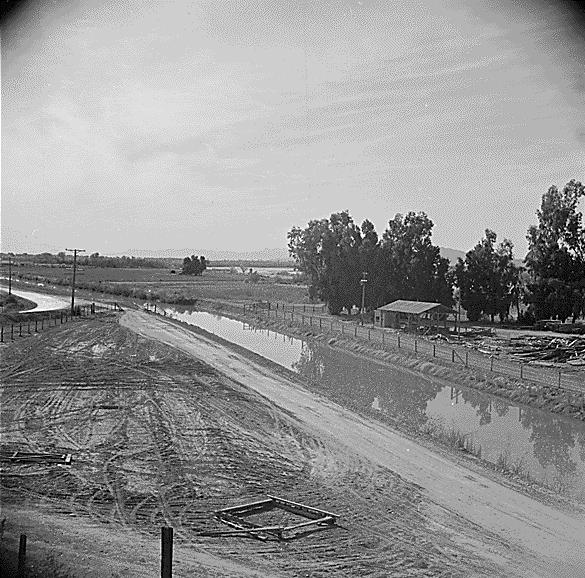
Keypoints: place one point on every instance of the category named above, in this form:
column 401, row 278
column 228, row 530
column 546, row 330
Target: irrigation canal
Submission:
column 550, row 448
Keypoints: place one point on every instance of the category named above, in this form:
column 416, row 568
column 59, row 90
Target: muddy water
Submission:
column 550, row 448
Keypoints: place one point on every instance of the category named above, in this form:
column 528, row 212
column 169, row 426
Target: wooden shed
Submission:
column 412, row 314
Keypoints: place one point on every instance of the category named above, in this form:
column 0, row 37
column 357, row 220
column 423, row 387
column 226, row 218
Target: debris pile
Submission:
column 548, row 350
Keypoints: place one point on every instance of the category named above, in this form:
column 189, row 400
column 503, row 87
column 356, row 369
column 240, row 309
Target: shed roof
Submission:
column 414, row 307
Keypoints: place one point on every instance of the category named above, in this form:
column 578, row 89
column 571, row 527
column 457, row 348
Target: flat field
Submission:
column 170, row 287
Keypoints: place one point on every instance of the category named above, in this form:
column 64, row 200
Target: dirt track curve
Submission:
column 518, row 533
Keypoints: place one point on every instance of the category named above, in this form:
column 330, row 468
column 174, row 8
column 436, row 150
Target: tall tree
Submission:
column 487, row 279
column 556, row 254
column 412, row 266
column 328, row 252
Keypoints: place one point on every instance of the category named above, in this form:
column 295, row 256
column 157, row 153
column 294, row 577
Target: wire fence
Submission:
column 44, row 320
column 454, row 353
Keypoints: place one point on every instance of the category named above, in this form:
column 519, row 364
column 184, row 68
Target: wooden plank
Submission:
column 244, row 507
column 324, row 520
column 302, row 507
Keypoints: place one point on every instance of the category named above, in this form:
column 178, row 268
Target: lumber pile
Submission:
column 548, row 349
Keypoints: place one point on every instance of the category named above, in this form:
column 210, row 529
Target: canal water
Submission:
column 550, row 448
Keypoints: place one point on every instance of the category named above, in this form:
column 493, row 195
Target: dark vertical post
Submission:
column 166, row 559
column 2, row 334
column 491, row 362
column 521, row 371
column 382, row 337
column 398, row 341
column 452, row 356
column 21, row 570
column 434, row 350
column 36, row 325
column 12, row 331
column 466, row 359
column 9, row 274
column 355, row 331
column 559, row 378
column 415, row 346
column 28, row 327
column 75, row 251
column 20, row 330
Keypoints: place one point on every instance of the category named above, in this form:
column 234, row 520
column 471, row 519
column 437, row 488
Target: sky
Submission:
column 133, row 124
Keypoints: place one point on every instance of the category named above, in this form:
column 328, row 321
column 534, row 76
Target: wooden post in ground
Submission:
column 467, row 359
column 559, row 378
column 36, row 325
column 491, row 362
column 355, row 331
column 434, row 350
column 21, row 569
column 12, row 331
column 2, row 334
column 20, row 330
column 452, row 356
column 399, row 341
column 521, row 371
column 166, row 558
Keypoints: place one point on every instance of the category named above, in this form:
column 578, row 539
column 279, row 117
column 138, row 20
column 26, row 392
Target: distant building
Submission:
column 412, row 314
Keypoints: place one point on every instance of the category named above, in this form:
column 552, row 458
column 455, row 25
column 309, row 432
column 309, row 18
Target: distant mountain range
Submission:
column 258, row 255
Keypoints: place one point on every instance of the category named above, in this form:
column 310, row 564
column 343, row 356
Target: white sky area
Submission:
column 191, row 124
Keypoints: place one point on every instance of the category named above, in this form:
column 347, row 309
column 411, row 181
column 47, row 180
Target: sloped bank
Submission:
column 553, row 399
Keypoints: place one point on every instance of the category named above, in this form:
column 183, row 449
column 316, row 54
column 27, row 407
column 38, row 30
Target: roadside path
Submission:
column 525, row 536
column 44, row 302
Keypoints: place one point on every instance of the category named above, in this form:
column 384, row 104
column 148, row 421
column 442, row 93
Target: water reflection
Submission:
column 551, row 448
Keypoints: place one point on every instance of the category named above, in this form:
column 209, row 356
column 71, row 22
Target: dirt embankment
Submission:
column 160, row 438
column 548, row 398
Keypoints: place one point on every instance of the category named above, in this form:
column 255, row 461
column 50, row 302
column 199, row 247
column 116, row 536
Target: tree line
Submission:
column 335, row 254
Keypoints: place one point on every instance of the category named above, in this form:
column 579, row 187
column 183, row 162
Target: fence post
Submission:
column 20, row 330
column 28, row 328
column 399, row 341
column 452, row 356
column 36, row 326
column 166, row 558
column 311, row 320
column 369, row 334
column 521, row 371
column 355, row 331
column 2, row 334
column 467, row 359
column 12, row 331
column 21, row 569
column 434, row 350
column 559, row 378
column 320, row 324
column 304, row 308
column 415, row 346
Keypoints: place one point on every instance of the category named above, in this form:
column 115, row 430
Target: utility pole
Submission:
column 75, row 251
column 9, row 273
column 363, row 282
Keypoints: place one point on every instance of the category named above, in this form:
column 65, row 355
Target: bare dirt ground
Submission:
column 158, row 438
column 165, row 426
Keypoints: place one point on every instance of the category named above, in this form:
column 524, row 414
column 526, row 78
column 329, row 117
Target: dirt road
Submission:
column 519, row 534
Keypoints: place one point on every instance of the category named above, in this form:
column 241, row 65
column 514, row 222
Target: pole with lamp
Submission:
column 363, row 282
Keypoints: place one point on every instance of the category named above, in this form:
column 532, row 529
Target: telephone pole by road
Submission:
column 9, row 273
column 75, row 251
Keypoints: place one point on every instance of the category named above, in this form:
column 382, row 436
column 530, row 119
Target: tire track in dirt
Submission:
column 182, row 440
